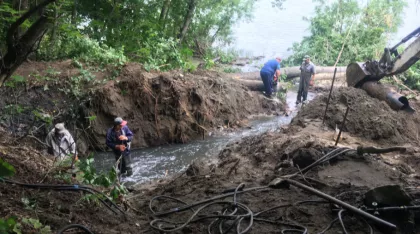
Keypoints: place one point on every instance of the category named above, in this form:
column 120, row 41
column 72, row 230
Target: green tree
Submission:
column 369, row 29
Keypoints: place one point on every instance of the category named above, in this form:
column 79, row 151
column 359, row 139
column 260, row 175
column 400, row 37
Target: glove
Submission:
column 120, row 147
column 123, row 138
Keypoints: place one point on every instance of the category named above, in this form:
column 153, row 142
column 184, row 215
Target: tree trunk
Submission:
column 54, row 28
column 74, row 13
column 164, row 12
column 18, row 48
column 291, row 72
column 188, row 19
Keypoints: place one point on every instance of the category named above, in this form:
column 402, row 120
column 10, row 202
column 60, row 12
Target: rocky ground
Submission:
column 247, row 166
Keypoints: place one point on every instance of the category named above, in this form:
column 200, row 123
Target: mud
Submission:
column 161, row 108
column 368, row 117
column 174, row 107
column 256, row 161
column 253, row 161
column 53, row 208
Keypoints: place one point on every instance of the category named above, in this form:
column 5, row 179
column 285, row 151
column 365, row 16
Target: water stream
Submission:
column 156, row 162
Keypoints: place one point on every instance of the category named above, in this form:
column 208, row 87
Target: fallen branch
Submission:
column 403, row 85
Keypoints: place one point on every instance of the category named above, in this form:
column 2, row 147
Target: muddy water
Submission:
column 157, row 162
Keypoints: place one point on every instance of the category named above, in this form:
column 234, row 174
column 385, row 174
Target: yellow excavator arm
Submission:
column 358, row 73
column 366, row 75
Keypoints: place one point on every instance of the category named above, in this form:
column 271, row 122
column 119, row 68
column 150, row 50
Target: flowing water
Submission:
column 156, row 162
column 270, row 33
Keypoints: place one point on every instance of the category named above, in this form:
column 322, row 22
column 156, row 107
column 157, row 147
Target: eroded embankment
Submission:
column 161, row 108
column 256, row 161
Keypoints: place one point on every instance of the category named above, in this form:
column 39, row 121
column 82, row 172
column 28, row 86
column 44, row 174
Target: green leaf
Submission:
column 19, row 79
column 36, row 223
column 91, row 118
column 6, row 169
column 17, row 228
column 45, row 230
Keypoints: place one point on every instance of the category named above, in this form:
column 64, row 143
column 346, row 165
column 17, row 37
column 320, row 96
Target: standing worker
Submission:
column 307, row 73
column 119, row 138
column 60, row 142
column 270, row 73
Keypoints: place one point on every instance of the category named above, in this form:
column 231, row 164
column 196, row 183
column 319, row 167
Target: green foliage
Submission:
column 369, row 29
column 107, row 180
column 411, row 77
column 42, row 117
column 6, row 169
column 29, row 203
column 78, row 86
column 158, row 53
column 11, row 225
column 15, row 81
column 82, row 48
column 232, row 70
column 7, row 226
column 14, row 109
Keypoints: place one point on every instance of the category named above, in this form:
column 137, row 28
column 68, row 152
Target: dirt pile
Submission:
column 171, row 107
column 174, row 107
column 368, row 117
column 256, row 161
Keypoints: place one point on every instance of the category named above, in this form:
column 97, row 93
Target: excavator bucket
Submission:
column 356, row 74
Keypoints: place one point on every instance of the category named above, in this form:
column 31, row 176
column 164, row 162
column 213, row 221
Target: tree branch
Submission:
column 18, row 22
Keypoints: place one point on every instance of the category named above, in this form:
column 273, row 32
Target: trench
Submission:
column 158, row 162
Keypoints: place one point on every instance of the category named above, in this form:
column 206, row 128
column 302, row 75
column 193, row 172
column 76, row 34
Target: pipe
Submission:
column 373, row 150
column 395, row 100
column 341, row 203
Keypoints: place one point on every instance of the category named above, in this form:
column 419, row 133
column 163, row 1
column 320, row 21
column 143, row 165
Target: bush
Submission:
column 81, row 48
column 411, row 77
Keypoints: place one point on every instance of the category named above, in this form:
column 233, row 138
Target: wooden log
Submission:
column 257, row 85
column 291, row 72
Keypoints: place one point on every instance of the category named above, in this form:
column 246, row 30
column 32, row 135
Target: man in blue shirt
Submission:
column 119, row 138
column 268, row 73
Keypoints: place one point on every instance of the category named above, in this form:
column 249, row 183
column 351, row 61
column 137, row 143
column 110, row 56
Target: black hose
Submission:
column 341, row 221
column 249, row 215
column 104, row 199
column 329, row 226
column 187, row 207
column 74, row 226
column 296, row 227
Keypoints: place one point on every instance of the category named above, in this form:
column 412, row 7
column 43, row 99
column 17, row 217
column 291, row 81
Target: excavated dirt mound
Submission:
column 171, row 107
column 368, row 117
column 256, row 161
column 174, row 107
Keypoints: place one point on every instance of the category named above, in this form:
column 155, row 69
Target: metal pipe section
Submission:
column 395, row 100
column 341, row 203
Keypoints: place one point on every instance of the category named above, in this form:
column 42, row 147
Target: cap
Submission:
column 307, row 56
column 59, row 128
column 120, row 121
